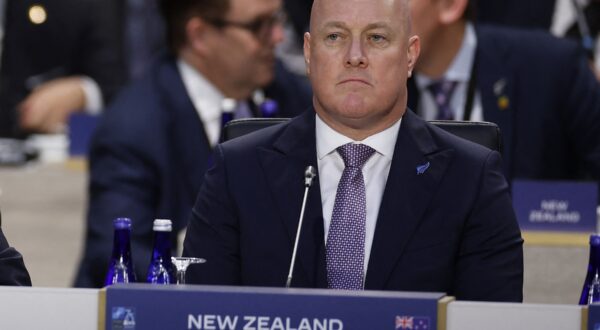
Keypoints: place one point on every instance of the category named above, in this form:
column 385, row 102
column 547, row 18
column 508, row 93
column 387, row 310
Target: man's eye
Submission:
column 377, row 38
column 333, row 37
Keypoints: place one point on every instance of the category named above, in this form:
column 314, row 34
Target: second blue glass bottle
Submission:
column 161, row 269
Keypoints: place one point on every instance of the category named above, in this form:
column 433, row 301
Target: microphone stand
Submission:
column 309, row 174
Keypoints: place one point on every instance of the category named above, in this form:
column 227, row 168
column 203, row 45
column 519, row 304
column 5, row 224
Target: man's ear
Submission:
column 451, row 11
column 413, row 51
column 307, row 52
column 196, row 35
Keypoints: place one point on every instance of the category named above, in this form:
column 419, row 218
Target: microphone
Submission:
column 309, row 174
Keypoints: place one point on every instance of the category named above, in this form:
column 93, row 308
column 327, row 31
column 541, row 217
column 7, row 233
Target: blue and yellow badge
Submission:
column 502, row 101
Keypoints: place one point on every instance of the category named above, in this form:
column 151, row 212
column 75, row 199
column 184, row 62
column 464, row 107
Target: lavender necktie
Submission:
column 346, row 238
column 442, row 94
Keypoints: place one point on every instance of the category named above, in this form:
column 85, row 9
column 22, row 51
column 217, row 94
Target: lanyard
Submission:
column 471, row 91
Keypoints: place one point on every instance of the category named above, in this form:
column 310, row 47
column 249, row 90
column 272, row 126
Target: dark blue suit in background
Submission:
column 148, row 158
column 450, row 229
column 12, row 267
column 551, row 127
column 517, row 13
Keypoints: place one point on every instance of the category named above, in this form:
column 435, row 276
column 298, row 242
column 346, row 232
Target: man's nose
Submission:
column 356, row 54
column 277, row 33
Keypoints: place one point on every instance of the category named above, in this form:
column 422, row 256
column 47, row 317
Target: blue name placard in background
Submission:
column 144, row 306
column 555, row 205
column 81, row 128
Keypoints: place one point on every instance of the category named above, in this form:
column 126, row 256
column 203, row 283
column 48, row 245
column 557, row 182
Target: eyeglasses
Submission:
column 261, row 27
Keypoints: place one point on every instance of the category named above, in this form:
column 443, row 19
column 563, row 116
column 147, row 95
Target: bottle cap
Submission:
column 162, row 225
column 122, row 223
column 595, row 239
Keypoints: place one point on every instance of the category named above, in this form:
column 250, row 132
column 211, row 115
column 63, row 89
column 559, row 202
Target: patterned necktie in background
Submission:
column 442, row 94
column 346, row 238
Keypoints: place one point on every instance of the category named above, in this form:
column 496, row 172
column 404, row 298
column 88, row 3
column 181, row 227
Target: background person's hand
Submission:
column 47, row 108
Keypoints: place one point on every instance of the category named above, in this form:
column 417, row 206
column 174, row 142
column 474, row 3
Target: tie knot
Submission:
column 355, row 155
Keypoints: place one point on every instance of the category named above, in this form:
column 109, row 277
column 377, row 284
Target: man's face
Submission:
column 358, row 56
column 243, row 60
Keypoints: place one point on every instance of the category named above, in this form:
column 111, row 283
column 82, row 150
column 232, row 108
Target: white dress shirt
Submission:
column 209, row 102
column 459, row 71
column 375, row 172
column 206, row 98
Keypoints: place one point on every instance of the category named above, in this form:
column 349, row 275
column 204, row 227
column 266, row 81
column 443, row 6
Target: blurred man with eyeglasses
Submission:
column 150, row 152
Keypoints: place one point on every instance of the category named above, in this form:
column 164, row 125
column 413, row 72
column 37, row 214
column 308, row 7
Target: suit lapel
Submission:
column 190, row 144
column 496, row 83
column 406, row 196
column 284, row 166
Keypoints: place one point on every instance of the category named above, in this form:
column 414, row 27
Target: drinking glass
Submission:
column 182, row 263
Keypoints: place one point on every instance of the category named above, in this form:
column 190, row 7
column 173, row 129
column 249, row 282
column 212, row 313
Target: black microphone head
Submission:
column 309, row 174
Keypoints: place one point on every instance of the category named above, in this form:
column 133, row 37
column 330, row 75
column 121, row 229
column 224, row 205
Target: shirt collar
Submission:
column 328, row 140
column 462, row 65
column 207, row 99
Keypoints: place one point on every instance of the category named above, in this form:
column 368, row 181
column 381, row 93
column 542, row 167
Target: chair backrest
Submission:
column 484, row 133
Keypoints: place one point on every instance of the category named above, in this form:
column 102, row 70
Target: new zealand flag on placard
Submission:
column 412, row 322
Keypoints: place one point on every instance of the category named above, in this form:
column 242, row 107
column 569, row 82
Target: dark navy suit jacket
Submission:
column 551, row 127
column 518, row 13
column 450, row 229
column 12, row 267
column 147, row 161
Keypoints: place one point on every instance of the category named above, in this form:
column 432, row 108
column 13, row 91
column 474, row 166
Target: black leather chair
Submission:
column 484, row 133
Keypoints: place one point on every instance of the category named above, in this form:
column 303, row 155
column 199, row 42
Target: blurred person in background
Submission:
column 575, row 19
column 538, row 89
column 58, row 57
column 154, row 143
column 290, row 50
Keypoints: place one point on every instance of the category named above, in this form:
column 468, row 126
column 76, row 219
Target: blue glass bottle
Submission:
column 161, row 270
column 591, row 286
column 120, row 268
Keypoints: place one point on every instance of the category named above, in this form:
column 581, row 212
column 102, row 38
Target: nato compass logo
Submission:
column 123, row 318
column 412, row 322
